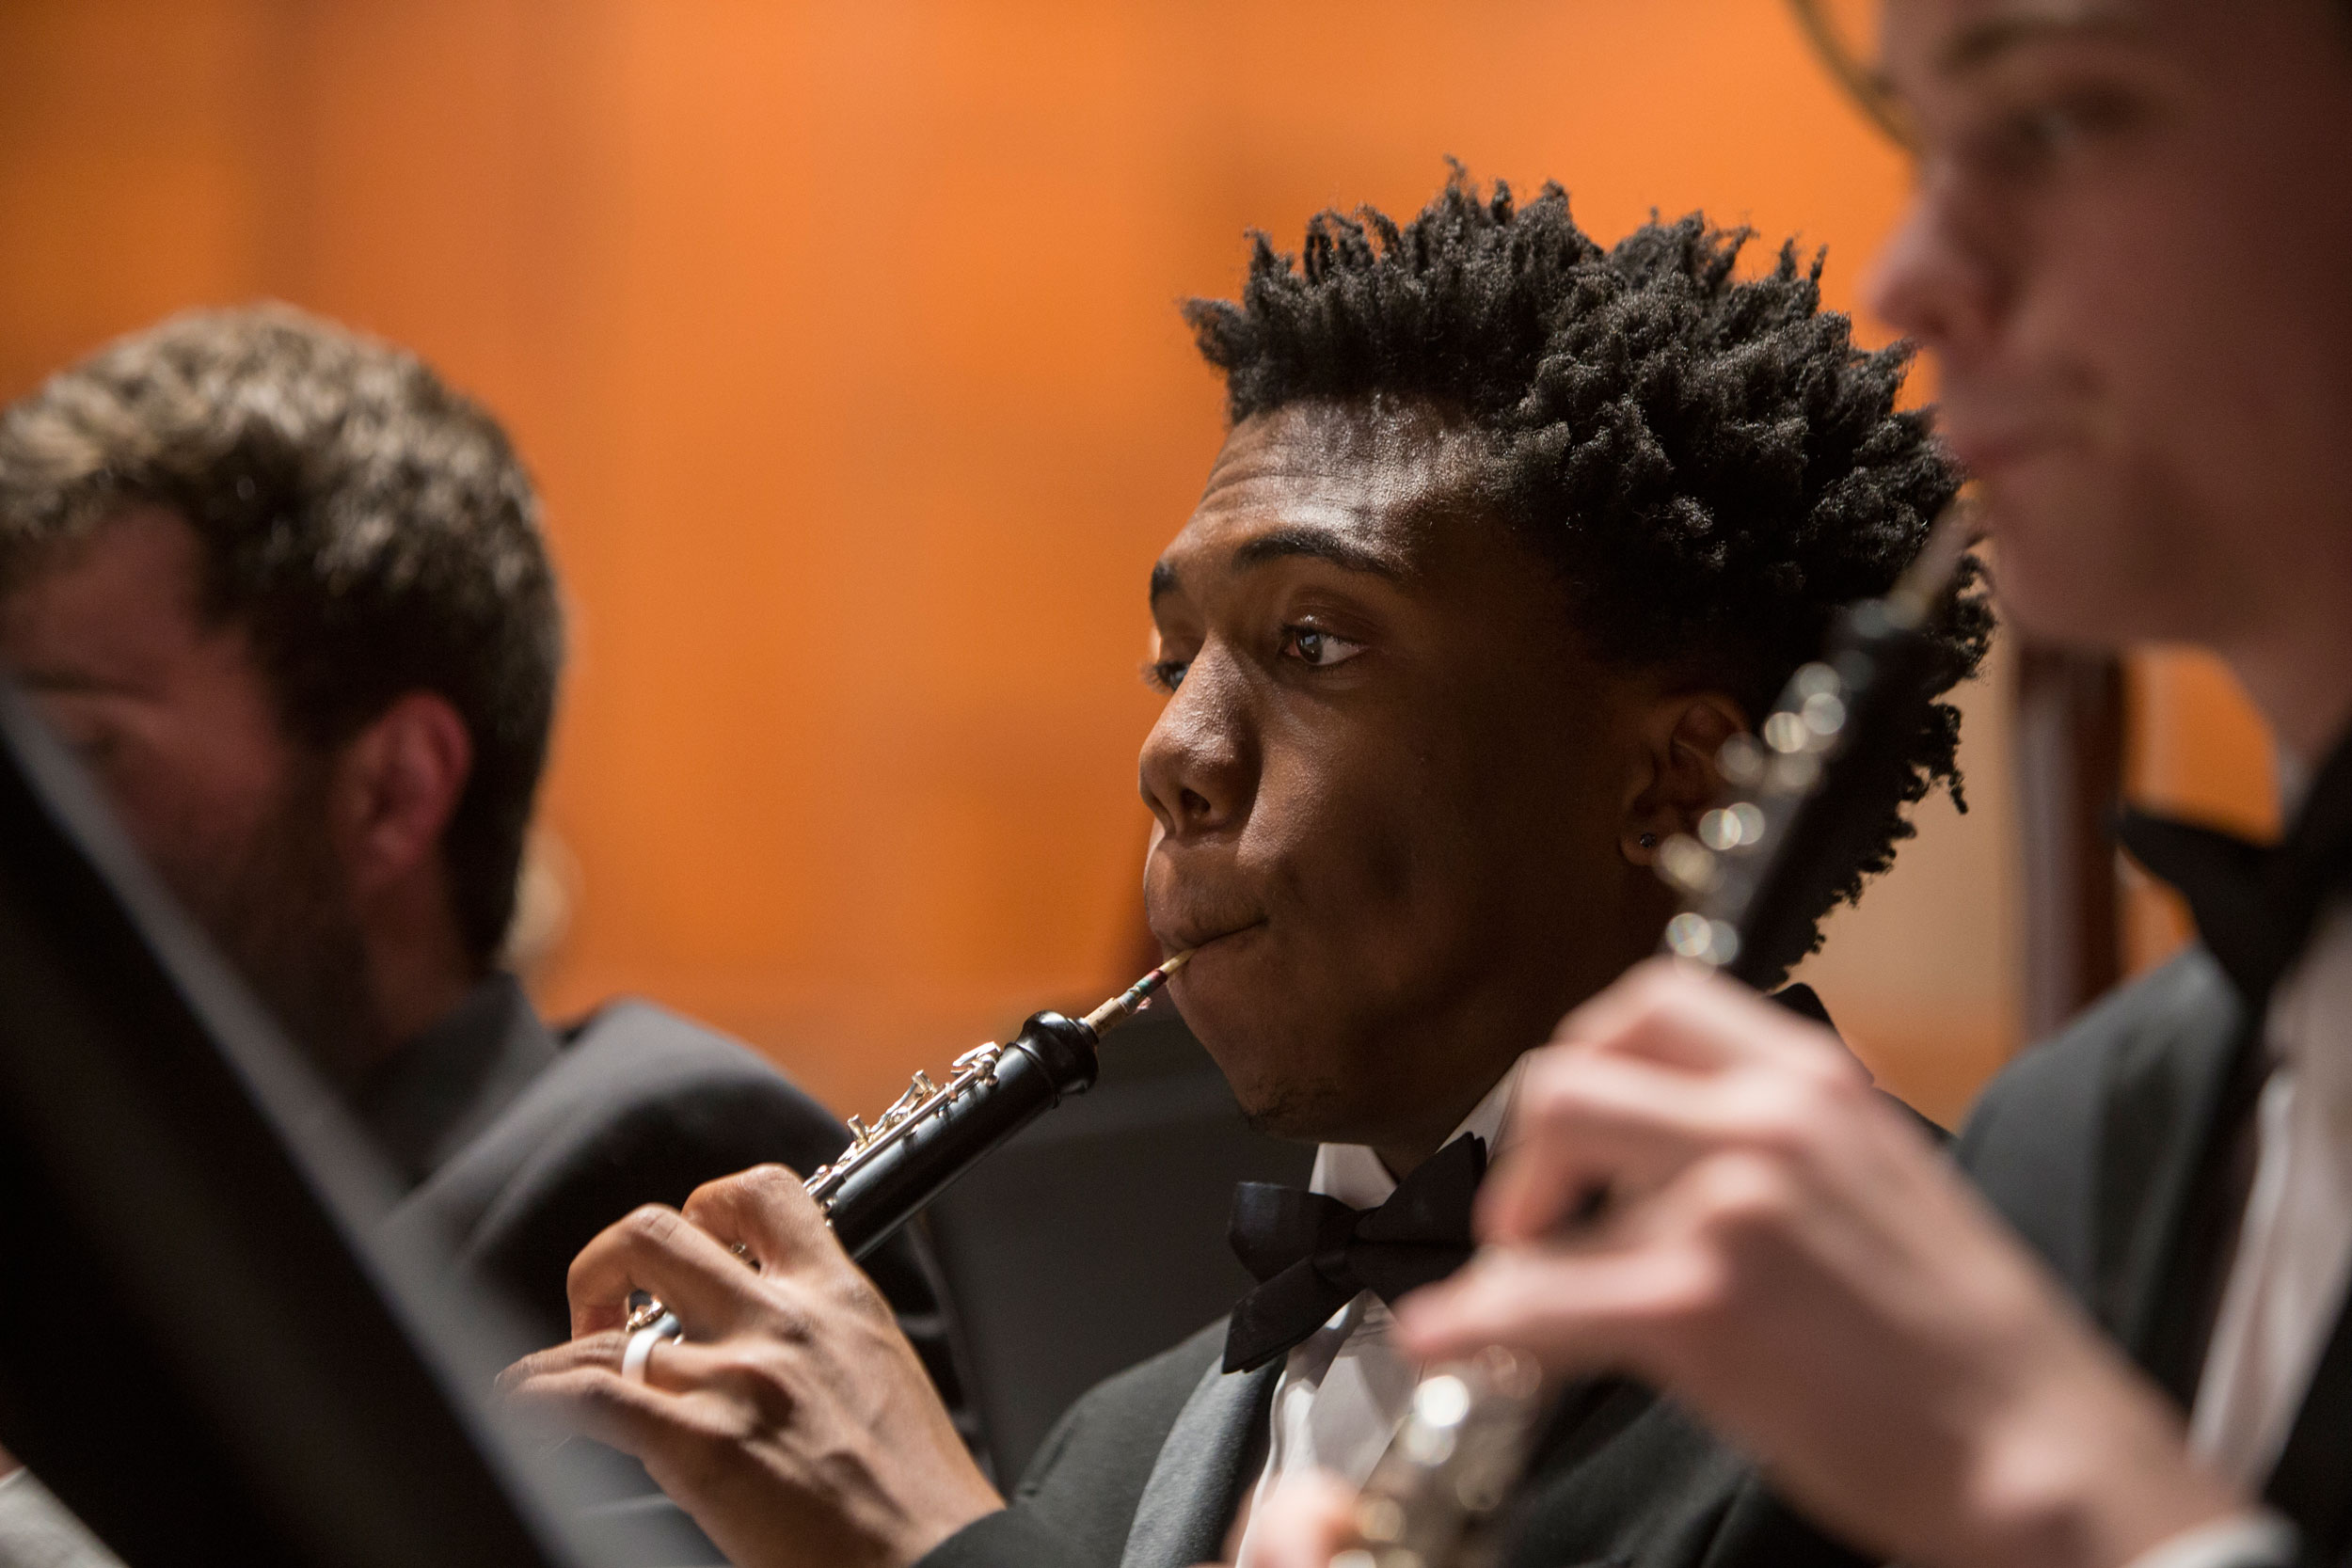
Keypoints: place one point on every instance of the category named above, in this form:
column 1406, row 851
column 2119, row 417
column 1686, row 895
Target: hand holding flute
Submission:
column 1781, row 1249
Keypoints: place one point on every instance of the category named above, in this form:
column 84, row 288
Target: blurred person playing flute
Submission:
column 2126, row 250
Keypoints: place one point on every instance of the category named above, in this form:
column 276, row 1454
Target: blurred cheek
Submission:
column 194, row 817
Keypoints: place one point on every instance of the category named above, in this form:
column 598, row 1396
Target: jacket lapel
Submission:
column 1196, row 1482
column 2171, row 1095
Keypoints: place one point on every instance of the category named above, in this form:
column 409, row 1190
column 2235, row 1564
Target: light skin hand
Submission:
column 1784, row 1252
column 1308, row 1519
column 794, row 1422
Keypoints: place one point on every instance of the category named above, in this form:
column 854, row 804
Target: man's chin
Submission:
column 1297, row 1110
column 2069, row 567
column 1285, row 1122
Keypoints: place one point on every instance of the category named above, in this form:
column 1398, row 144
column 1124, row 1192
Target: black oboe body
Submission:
column 934, row 1133
column 888, row 1174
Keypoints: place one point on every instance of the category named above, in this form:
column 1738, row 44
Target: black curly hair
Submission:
column 1711, row 462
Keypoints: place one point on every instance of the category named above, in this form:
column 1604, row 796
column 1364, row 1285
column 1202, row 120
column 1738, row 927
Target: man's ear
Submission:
column 1672, row 779
column 397, row 783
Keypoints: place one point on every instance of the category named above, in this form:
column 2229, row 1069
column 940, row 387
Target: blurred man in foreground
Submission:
column 2128, row 252
column 286, row 595
column 1508, row 534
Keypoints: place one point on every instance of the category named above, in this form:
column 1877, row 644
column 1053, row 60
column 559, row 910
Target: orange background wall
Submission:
column 843, row 340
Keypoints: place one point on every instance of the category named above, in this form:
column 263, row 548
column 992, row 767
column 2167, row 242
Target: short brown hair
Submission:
column 370, row 530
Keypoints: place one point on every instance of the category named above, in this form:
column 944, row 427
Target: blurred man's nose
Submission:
column 1929, row 282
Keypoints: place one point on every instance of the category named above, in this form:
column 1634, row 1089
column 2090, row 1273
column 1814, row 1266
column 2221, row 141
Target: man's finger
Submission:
column 1585, row 1124
column 602, row 1348
column 598, row 1403
column 1575, row 1312
column 656, row 1250
column 1588, row 1120
column 1671, row 1011
column 768, row 1212
column 1637, row 1291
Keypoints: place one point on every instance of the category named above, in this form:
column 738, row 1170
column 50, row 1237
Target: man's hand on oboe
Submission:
column 1784, row 1252
column 793, row 1421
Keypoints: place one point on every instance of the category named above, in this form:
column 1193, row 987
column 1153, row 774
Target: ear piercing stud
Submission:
column 1649, row 841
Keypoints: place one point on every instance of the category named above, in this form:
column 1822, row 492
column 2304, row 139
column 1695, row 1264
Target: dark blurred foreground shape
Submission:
column 202, row 1359
column 197, row 1354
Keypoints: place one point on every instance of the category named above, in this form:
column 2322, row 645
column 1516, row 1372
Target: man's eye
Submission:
column 1318, row 650
column 2042, row 135
column 1166, row 674
column 2039, row 136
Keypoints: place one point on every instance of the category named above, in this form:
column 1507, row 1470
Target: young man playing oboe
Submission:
column 2127, row 253
column 1509, row 533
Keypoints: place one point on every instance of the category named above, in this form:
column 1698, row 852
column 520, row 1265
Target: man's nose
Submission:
column 1200, row 762
column 1931, row 282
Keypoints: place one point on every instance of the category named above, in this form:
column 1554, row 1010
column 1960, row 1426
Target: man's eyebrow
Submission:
column 1983, row 42
column 1285, row 543
column 1163, row 581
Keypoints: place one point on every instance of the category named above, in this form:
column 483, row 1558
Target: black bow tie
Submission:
column 2255, row 904
column 1311, row 1254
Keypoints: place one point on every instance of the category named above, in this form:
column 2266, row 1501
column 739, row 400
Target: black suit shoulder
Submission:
column 641, row 1106
column 1089, row 1473
column 1078, row 1500
column 2074, row 1142
column 1623, row 1477
column 1626, row 1476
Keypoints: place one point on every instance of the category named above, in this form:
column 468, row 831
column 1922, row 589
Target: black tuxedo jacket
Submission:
column 1148, row 1469
column 2111, row 1150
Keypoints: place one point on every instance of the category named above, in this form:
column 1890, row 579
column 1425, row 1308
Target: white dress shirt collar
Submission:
column 1343, row 1390
column 1356, row 1176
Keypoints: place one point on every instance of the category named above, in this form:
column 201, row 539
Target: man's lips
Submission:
column 1991, row 434
column 1196, row 935
column 1986, row 451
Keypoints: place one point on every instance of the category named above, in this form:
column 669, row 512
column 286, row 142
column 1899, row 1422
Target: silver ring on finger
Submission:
column 639, row 1347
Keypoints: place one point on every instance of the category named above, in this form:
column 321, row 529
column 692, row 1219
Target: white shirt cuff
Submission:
column 2254, row 1539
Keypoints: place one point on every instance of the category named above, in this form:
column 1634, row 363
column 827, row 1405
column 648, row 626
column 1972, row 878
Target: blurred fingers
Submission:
column 1307, row 1520
column 1657, row 1288
column 1622, row 1114
column 573, row 1394
column 1674, row 1012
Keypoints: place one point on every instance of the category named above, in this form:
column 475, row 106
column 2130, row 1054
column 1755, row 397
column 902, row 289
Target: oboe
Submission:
column 1760, row 865
column 933, row 1132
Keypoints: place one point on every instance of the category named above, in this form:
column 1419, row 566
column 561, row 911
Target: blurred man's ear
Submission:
column 396, row 785
column 1672, row 779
